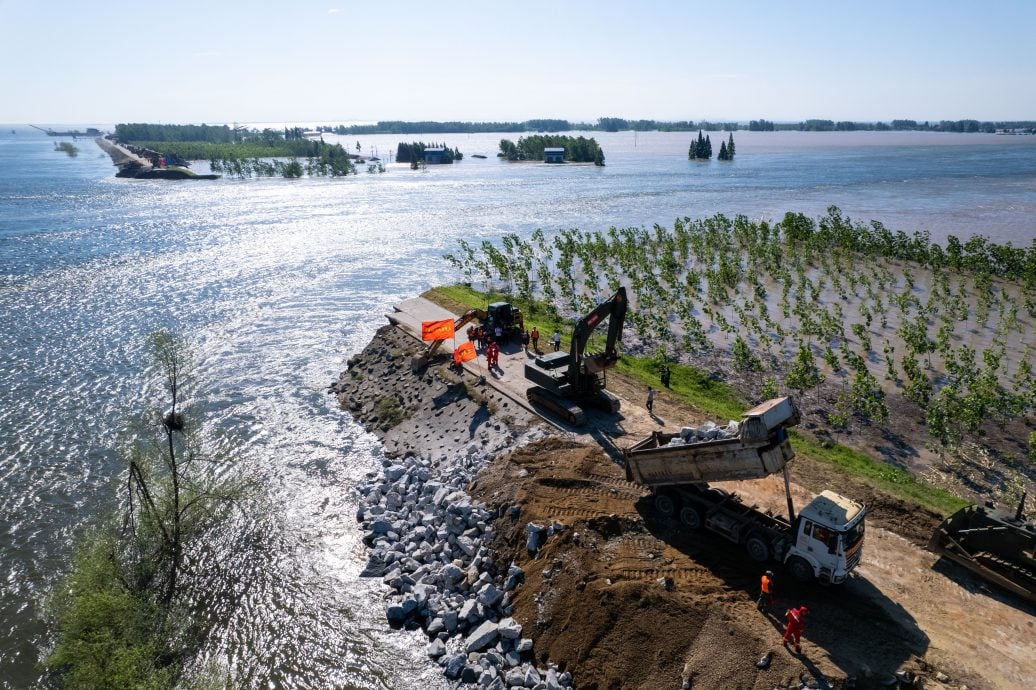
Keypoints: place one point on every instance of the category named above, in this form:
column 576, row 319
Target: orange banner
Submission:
column 437, row 330
column 465, row 352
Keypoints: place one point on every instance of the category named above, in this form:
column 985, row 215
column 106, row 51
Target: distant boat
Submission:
column 477, row 155
column 90, row 132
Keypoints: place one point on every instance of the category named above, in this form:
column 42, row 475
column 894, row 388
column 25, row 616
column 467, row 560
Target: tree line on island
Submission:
column 413, row 152
column 618, row 124
column 531, row 148
column 241, row 152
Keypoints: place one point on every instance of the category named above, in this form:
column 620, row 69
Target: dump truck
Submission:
column 994, row 544
column 823, row 542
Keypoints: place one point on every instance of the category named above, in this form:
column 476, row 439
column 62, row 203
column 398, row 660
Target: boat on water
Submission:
column 477, row 155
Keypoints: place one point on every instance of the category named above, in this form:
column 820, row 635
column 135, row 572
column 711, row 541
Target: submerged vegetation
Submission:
column 843, row 314
column 68, row 148
column 134, row 608
column 242, row 152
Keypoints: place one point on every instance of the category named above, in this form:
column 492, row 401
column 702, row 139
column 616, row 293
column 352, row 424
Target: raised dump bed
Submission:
column 754, row 448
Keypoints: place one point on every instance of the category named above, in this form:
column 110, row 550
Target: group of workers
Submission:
column 490, row 342
column 795, row 618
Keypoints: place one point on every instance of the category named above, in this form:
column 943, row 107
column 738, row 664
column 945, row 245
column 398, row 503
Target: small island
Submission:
column 553, row 149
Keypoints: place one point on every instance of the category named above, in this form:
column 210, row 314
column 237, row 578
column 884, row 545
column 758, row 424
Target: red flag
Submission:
column 465, row 352
column 437, row 330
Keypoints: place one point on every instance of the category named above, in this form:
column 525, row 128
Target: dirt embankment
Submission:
column 623, row 598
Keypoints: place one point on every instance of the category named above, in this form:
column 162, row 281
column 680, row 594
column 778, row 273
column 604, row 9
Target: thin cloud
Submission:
column 207, row 53
column 333, row 10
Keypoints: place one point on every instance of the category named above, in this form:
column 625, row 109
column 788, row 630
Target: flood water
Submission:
column 275, row 283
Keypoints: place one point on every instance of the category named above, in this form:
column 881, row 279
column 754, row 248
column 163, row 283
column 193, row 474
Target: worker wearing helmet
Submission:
column 765, row 591
column 794, row 625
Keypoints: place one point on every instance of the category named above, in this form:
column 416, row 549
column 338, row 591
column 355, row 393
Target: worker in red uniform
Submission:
column 765, row 591
column 793, row 627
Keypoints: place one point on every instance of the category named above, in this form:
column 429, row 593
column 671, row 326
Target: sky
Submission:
column 330, row 61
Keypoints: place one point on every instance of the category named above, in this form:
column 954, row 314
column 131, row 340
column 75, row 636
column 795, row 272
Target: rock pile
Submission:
column 429, row 542
column 706, row 432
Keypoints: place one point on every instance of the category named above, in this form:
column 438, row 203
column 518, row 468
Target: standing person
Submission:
column 651, row 399
column 471, row 333
column 765, row 591
column 480, row 337
column 525, row 340
column 535, row 335
column 493, row 355
column 793, row 627
column 556, row 338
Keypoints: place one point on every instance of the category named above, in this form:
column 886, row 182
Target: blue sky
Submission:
column 336, row 60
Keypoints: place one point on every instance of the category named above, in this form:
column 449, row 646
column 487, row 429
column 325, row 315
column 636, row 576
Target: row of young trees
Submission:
column 244, row 168
column 577, row 149
column 801, row 301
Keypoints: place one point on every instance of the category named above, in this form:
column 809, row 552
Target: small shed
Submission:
column 434, row 156
column 554, row 154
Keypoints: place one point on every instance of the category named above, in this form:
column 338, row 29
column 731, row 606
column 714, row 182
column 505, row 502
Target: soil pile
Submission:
column 625, row 598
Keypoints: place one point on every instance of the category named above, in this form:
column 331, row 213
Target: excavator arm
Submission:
column 614, row 309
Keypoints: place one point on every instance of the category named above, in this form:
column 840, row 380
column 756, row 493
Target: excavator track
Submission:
column 563, row 409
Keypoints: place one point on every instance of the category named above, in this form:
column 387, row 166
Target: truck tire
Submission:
column 800, row 569
column 757, row 549
column 690, row 517
column 664, row 504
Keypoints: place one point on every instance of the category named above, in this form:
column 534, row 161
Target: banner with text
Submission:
column 437, row 330
column 465, row 352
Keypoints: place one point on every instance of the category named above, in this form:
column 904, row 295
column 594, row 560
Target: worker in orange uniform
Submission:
column 793, row 627
column 765, row 591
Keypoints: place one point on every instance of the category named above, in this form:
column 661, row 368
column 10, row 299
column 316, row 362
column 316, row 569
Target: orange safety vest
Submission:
column 766, row 585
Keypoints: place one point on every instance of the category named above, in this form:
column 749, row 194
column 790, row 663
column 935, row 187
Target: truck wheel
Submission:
column 800, row 569
column 757, row 549
column 690, row 517
column 664, row 504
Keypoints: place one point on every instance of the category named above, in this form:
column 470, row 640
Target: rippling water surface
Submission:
column 275, row 283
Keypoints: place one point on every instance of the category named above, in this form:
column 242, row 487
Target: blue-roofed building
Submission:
column 554, row 154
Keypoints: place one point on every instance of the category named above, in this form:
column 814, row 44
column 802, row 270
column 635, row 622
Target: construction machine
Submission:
column 566, row 380
column 508, row 318
column 502, row 314
column 824, row 541
column 994, row 544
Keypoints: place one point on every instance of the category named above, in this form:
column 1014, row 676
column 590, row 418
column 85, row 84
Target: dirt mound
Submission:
column 627, row 599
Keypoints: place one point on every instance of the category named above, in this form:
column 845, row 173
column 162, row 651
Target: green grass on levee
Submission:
column 715, row 399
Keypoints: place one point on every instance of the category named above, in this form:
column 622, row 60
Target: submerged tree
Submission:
column 131, row 611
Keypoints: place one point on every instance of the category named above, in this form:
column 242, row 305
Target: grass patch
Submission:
column 389, row 412
column 891, row 480
column 688, row 384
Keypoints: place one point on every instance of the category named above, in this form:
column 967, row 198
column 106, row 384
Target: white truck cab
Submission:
column 828, row 539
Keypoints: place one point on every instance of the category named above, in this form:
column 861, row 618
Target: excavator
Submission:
column 502, row 314
column 566, row 380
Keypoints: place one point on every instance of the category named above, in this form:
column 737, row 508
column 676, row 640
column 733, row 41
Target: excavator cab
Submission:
column 507, row 317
